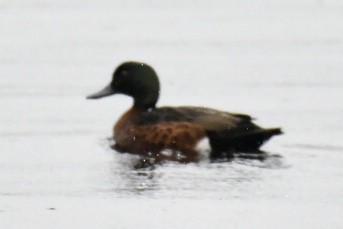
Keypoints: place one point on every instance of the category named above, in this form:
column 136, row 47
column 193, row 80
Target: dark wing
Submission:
column 209, row 119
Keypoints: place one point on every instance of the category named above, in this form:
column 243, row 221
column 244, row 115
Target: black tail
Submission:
column 240, row 141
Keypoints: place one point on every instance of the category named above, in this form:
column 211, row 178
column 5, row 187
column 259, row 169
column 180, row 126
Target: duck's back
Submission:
column 209, row 119
column 226, row 131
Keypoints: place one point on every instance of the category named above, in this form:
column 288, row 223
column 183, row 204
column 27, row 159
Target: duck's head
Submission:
column 134, row 79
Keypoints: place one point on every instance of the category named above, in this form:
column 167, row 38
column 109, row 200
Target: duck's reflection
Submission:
column 130, row 177
column 134, row 176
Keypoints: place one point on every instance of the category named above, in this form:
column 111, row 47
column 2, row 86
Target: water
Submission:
column 280, row 62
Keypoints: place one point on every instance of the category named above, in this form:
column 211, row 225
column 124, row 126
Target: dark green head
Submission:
column 134, row 79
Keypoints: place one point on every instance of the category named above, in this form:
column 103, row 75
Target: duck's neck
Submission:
column 143, row 107
column 145, row 100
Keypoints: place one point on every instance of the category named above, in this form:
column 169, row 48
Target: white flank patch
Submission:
column 203, row 147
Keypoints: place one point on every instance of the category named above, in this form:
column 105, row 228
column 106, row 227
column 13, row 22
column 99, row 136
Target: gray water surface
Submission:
column 281, row 62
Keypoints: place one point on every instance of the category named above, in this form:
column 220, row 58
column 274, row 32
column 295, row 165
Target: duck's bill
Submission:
column 103, row 93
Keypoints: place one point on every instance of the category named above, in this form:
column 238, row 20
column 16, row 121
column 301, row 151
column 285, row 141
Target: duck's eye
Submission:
column 125, row 74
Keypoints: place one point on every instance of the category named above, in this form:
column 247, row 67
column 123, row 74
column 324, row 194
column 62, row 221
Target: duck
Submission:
column 174, row 133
